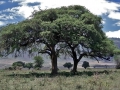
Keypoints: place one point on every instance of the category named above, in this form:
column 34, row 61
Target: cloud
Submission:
column 2, row 23
column 6, row 17
column 114, row 15
column 103, row 21
column 2, row 2
column 97, row 7
column 26, row 10
column 26, row 1
column 26, row 7
column 114, row 34
column 118, row 23
column 10, row 10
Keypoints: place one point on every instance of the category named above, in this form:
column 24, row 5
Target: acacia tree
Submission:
column 73, row 26
column 83, row 36
column 23, row 36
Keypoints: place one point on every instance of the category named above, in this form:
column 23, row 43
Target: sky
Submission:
column 13, row 11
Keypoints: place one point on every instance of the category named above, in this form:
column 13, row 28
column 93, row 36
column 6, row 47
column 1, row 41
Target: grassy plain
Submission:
column 90, row 79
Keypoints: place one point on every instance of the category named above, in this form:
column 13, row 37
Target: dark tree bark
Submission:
column 54, row 65
column 54, row 62
column 75, row 66
column 76, row 60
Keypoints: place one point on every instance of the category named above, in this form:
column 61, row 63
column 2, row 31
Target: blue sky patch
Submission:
column 33, row 4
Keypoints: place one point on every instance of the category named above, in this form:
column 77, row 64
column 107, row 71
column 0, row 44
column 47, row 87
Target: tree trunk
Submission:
column 54, row 65
column 75, row 67
column 76, row 60
column 54, row 62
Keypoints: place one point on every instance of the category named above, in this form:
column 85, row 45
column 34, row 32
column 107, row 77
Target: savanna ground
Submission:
column 90, row 79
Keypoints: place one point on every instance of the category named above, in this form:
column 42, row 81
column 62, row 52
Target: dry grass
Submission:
column 93, row 79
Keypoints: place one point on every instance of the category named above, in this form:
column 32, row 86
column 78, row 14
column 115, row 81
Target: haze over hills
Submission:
column 116, row 41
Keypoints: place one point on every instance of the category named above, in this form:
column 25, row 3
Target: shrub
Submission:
column 10, row 68
column 38, row 62
column 68, row 65
column 29, row 65
column 85, row 64
column 117, row 60
column 18, row 64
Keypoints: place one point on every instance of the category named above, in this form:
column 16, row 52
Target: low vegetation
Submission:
column 68, row 65
column 117, row 60
column 29, row 65
column 38, row 62
column 85, row 64
column 17, row 65
column 94, row 79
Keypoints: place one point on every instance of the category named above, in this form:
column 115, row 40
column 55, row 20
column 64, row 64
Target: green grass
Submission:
column 93, row 79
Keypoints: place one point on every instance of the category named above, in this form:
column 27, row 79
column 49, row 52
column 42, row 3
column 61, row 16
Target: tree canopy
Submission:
column 73, row 29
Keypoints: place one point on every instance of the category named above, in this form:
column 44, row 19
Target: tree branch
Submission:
column 81, row 55
column 44, row 42
column 45, row 51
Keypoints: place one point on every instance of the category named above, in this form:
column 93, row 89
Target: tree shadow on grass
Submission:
column 63, row 73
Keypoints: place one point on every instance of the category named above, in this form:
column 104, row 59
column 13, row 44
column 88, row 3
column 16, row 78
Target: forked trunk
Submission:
column 76, row 60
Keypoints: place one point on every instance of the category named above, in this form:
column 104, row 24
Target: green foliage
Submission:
column 18, row 64
column 85, row 64
column 10, row 68
column 117, row 60
column 73, row 23
column 29, row 65
column 68, row 65
column 38, row 62
column 75, row 26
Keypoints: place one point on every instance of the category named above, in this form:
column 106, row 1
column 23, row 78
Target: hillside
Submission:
column 116, row 41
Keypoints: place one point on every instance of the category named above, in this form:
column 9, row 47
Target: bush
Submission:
column 29, row 65
column 68, row 65
column 38, row 62
column 10, row 68
column 18, row 64
column 117, row 60
column 85, row 64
